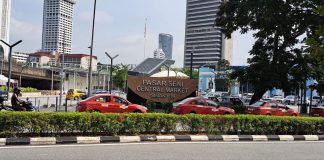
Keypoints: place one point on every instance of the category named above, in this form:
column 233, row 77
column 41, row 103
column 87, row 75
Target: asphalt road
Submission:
column 170, row 151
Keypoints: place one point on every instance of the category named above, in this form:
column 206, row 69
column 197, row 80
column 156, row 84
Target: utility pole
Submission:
column 10, row 64
column 62, row 73
column 91, row 48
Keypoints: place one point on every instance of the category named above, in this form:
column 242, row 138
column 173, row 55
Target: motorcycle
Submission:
column 25, row 104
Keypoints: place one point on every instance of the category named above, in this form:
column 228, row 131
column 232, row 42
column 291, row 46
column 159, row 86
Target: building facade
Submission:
column 5, row 9
column 57, row 26
column 205, row 41
column 166, row 44
column 158, row 53
column 20, row 57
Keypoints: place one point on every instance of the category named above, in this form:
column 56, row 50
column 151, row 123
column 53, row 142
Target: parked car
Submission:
column 200, row 105
column 104, row 103
column 231, row 101
column 278, row 99
column 246, row 101
column 291, row 99
column 315, row 100
column 318, row 110
column 271, row 108
column 74, row 94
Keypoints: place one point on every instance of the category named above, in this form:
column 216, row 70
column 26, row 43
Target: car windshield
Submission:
column 258, row 104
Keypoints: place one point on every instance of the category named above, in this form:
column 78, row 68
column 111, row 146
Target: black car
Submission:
column 231, row 101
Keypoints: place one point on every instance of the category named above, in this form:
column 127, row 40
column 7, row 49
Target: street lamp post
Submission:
column 111, row 69
column 10, row 64
column 91, row 48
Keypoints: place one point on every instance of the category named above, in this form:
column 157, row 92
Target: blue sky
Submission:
column 119, row 28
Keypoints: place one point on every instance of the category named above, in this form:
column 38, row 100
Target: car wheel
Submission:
column 137, row 111
column 95, row 111
column 76, row 98
column 268, row 114
column 226, row 113
column 294, row 115
column 192, row 112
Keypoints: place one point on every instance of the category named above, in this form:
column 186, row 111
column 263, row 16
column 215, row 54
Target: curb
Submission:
column 166, row 138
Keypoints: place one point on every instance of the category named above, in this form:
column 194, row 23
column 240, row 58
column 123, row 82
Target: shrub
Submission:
column 151, row 106
column 23, row 89
column 167, row 106
column 17, row 124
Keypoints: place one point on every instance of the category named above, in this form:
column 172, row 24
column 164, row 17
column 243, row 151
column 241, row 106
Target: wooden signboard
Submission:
column 164, row 89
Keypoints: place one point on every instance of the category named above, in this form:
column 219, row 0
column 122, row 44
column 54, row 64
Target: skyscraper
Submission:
column 202, row 37
column 57, row 25
column 166, row 44
column 5, row 7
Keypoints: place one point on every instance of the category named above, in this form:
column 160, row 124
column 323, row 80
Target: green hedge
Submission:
column 23, row 89
column 66, row 124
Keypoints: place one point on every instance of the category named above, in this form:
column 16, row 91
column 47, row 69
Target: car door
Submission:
column 195, row 106
column 282, row 110
column 212, row 108
column 103, row 104
column 273, row 108
column 120, row 105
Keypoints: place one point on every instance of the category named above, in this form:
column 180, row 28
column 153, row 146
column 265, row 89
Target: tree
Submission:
column 120, row 73
column 187, row 72
column 277, row 26
column 315, row 47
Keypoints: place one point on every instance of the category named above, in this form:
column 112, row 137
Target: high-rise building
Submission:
column 166, row 44
column 5, row 8
column 203, row 38
column 57, row 26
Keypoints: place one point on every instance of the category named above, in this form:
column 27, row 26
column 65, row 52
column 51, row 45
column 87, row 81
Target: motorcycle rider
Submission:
column 16, row 102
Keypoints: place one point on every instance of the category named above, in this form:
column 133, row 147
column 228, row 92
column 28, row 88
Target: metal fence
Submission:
column 51, row 103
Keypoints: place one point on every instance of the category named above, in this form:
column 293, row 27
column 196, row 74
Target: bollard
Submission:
column 56, row 104
column 38, row 104
column 47, row 102
column 65, row 105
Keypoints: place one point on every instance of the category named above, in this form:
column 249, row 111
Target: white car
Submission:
column 278, row 99
column 291, row 99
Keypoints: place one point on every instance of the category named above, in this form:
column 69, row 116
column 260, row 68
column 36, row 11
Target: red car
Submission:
column 318, row 110
column 270, row 108
column 199, row 105
column 104, row 103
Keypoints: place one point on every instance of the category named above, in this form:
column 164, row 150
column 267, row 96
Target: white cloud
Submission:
column 30, row 33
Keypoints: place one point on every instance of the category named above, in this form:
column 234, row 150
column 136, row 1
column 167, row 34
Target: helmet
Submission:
column 16, row 90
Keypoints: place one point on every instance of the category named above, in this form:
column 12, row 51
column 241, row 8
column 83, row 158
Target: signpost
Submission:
column 164, row 89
